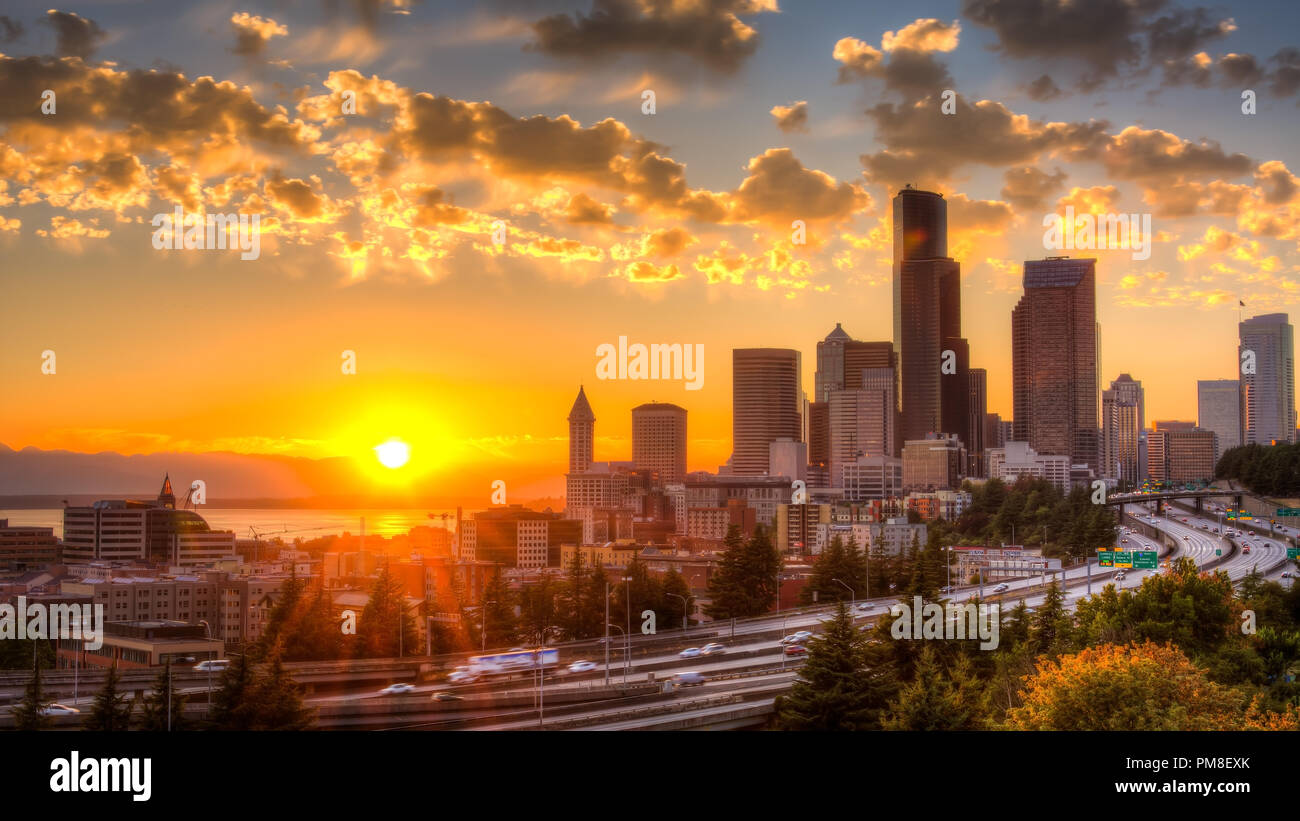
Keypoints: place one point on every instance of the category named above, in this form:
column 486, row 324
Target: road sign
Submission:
column 1288, row 511
column 1123, row 558
column 1104, row 558
column 1145, row 559
column 1293, row 552
column 1218, row 552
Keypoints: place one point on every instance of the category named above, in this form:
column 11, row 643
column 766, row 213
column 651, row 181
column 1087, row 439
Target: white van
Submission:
column 215, row 665
column 690, row 679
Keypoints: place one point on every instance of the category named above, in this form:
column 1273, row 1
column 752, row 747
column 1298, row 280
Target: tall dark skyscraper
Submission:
column 927, row 316
column 582, row 426
column 1054, row 360
column 766, row 405
column 977, row 388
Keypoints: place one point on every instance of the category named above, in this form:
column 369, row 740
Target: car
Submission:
column 57, row 709
column 688, row 679
column 713, row 649
column 864, row 606
column 443, row 695
column 213, row 665
column 947, row 588
column 802, row 635
column 1286, row 574
column 1002, row 588
column 1123, row 541
column 462, row 677
column 397, row 689
column 689, row 653
column 796, row 650
column 790, row 639
column 1119, row 577
column 582, row 666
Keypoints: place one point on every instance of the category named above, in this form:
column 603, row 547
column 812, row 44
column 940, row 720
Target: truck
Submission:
column 514, row 661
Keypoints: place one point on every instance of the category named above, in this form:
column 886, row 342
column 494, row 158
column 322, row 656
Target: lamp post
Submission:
column 619, row 629
column 686, row 613
column 853, row 597
column 208, row 628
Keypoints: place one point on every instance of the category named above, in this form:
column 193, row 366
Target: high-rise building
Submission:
column 1054, row 359
column 936, row 462
column 765, row 402
column 1218, row 409
column 819, row 433
column 993, row 436
column 927, row 311
column 1191, row 454
column 659, row 440
column 1268, row 412
column 977, row 390
column 1016, row 459
column 582, row 427
column 830, row 364
column 862, row 421
column 955, row 386
column 517, row 537
column 1122, row 419
column 788, row 458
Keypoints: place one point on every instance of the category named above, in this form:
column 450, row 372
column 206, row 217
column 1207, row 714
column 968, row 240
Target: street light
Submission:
column 686, row 614
column 853, row 597
column 621, row 630
column 208, row 628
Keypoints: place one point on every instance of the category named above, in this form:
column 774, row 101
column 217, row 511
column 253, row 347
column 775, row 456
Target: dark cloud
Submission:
column 1028, row 188
column 10, row 30
column 793, row 117
column 708, row 31
column 1157, row 156
column 76, row 35
column 905, row 61
column 1184, row 32
column 1043, row 89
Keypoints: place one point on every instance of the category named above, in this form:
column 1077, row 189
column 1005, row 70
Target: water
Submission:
column 307, row 524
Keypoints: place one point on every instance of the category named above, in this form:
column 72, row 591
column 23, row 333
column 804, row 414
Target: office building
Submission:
column 1122, row 419
column 927, row 310
column 1054, row 360
column 1268, row 412
column 517, row 537
column 1218, row 409
column 1016, row 459
column 937, row 462
column 582, row 429
column 977, row 391
column 27, row 548
column 871, row 477
column 659, row 440
column 789, row 459
column 766, row 405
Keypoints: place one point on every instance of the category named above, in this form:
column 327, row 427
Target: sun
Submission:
column 393, row 454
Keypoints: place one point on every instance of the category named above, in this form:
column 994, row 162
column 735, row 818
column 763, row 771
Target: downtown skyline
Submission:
column 471, row 354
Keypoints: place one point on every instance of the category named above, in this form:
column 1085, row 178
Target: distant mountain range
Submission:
column 35, row 478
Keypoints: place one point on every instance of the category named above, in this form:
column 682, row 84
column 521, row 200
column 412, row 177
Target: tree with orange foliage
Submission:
column 1134, row 687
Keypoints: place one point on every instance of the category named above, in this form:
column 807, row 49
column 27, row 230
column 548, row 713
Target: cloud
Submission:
column 1028, row 188
column 911, row 68
column 1043, row 89
column 75, row 35
column 709, row 32
column 253, row 33
column 64, row 228
column 780, row 189
column 793, row 117
column 10, row 30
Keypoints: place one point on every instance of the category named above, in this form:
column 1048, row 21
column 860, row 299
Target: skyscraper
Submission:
column 862, row 422
column 977, row 389
column 582, row 427
column 1054, row 359
column 1268, row 394
column 765, row 403
column 927, row 310
column 1123, row 409
column 830, row 364
column 1218, row 409
column 659, row 440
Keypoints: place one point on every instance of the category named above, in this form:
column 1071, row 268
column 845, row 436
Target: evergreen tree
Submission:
column 674, row 610
column 538, row 609
column 499, row 612
column 745, row 583
column 836, row 688
column 232, row 707
column 386, row 628
column 278, row 698
column 30, row 712
column 161, row 703
column 112, row 709
column 934, row 701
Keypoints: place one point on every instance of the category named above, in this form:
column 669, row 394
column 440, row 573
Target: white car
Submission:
column 215, row 665
column 582, row 667
column 690, row 653
column 397, row 689
column 713, row 649
column 1002, row 588
column 790, row 639
column 462, row 677
column 58, row 710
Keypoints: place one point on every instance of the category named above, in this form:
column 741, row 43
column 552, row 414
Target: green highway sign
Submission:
column 1104, row 558
column 1123, row 558
column 1293, row 552
column 1144, row 559
column 1218, row 552
column 1288, row 511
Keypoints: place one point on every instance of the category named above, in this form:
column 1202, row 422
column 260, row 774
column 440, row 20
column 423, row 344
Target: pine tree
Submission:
column 30, row 712
column 746, row 581
column 499, row 612
column 386, row 627
column 161, row 703
column 278, row 698
column 232, row 707
column 836, row 688
column 112, row 709
column 933, row 702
